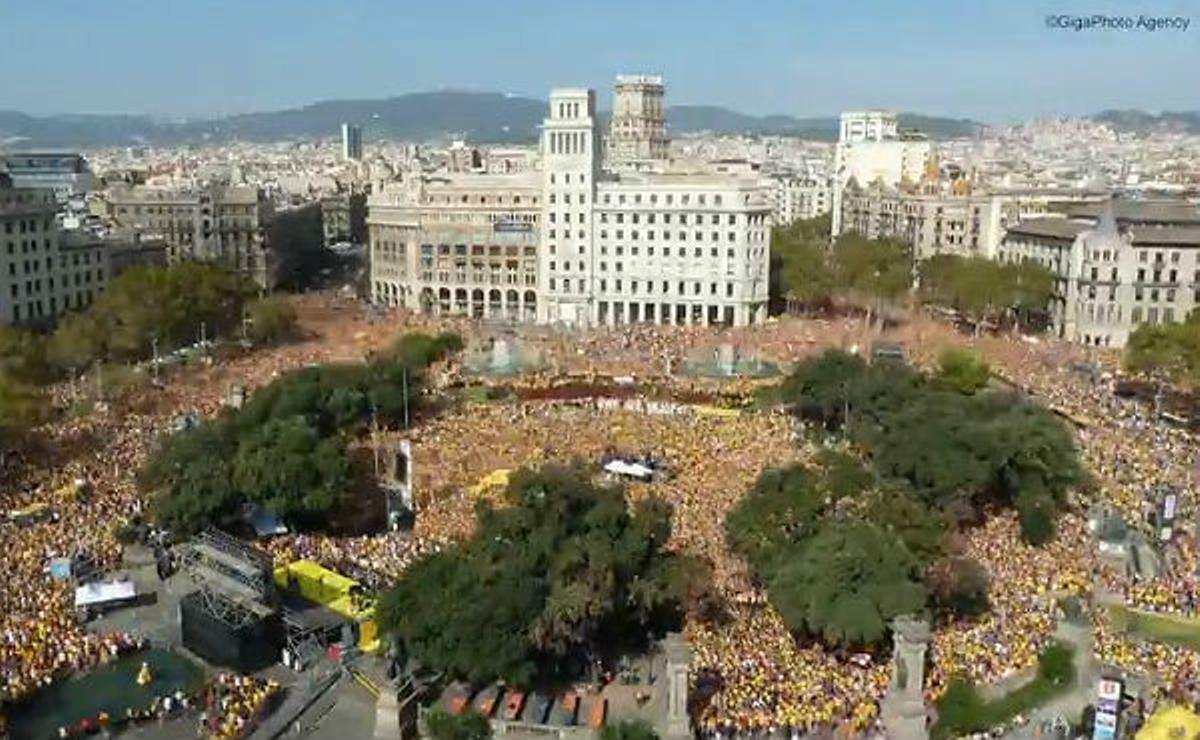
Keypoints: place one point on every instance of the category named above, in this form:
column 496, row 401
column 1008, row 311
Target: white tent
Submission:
column 628, row 469
column 108, row 592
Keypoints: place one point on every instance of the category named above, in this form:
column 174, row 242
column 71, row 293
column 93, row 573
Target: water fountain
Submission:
column 502, row 356
column 728, row 362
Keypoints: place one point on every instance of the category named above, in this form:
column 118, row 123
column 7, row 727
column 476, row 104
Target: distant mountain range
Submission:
column 477, row 117
column 1141, row 122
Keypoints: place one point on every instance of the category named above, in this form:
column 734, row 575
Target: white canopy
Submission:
column 632, row 470
column 104, row 593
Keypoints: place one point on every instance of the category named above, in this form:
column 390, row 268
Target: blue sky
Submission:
column 994, row 60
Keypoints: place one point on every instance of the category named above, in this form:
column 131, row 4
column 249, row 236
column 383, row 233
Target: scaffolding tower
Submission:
column 232, row 578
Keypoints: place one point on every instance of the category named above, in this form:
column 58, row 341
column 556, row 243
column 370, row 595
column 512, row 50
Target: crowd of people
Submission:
column 761, row 677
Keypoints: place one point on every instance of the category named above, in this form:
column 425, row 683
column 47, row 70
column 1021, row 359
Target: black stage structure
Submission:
column 232, row 618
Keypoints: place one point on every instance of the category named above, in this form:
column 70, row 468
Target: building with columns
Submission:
column 457, row 243
column 578, row 242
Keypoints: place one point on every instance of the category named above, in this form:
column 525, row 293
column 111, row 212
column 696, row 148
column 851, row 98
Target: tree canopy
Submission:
column 167, row 305
column 958, row 453
column 847, row 583
column 985, row 290
column 808, row 269
column 963, row 371
column 272, row 319
column 840, row 556
column 1171, row 351
column 564, row 573
column 285, row 449
column 468, row 725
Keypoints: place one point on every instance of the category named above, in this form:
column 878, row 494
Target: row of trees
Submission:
column 808, row 271
column 565, row 574
column 285, row 449
column 143, row 309
column 987, row 291
column 875, row 273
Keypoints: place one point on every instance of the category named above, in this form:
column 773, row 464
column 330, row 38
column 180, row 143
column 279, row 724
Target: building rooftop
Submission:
column 1174, row 236
column 1054, row 228
column 1139, row 211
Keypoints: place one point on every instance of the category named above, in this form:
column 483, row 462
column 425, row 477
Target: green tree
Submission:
column 23, row 356
column 784, row 508
column 800, row 265
column 287, row 467
column 847, row 583
column 1167, row 351
column 962, row 371
column 469, row 725
column 192, row 478
column 22, row 406
column 628, row 730
column 872, row 272
column 272, row 319
column 819, row 389
column 76, row 343
column 986, row 290
column 564, row 573
column 895, row 510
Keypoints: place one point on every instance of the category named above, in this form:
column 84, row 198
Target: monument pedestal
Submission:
column 903, row 708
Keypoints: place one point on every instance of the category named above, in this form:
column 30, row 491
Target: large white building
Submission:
column 872, row 150
column 657, row 244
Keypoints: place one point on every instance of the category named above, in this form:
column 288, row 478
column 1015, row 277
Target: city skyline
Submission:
column 990, row 62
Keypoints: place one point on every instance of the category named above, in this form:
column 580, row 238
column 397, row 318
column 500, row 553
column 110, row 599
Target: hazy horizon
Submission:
column 991, row 62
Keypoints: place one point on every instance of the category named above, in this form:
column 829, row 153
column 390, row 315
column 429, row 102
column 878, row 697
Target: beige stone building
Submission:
column 227, row 225
column 577, row 242
column 1117, row 265
column 29, row 258
column 458, row 243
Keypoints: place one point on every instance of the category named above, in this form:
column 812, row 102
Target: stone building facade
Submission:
column 1117, row 264
column 576, row 242
column 226, row 224
column 464, row 244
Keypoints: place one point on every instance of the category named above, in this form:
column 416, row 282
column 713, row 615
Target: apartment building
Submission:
column 457, row 243
column 578, row 242
column 1118, row 264
column 872, row 150
column 800, row 198
column 29, row 256
column 224, row 224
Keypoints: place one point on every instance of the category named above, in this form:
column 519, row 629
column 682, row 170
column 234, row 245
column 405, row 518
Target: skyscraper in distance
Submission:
column 352, row 142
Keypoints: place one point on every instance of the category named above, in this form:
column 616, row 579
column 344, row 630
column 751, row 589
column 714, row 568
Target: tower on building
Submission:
column 637, row 132
column 352, row 142
column 570, row 166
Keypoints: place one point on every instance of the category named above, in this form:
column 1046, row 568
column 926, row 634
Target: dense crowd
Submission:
column 756, row 676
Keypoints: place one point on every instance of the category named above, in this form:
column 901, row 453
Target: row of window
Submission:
column 702, row 199
column 26, row 225
column 36, row 309
column 477, row 250
column 645, row 287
